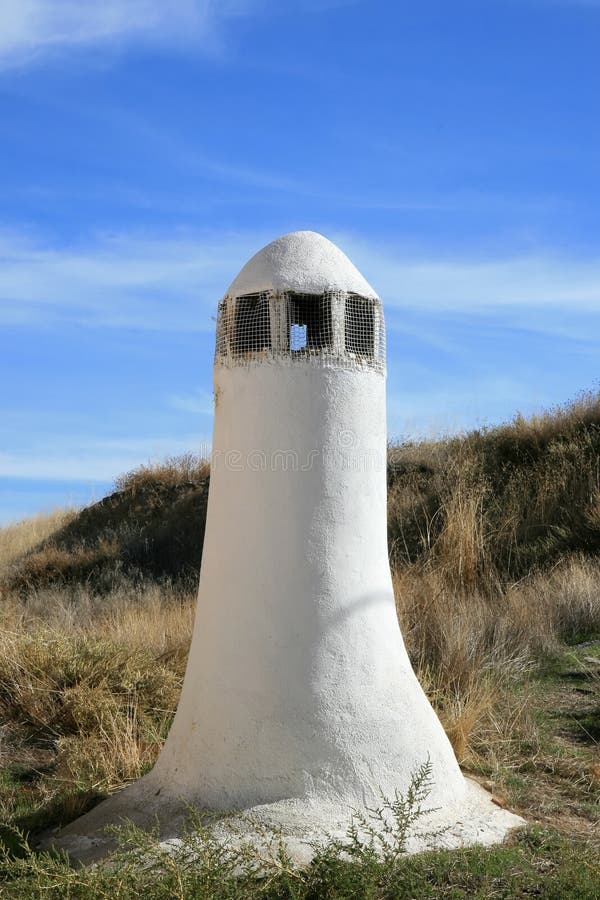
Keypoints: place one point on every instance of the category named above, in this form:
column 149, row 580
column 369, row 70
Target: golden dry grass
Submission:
column 497, row 504
column 18, row 539
column 92, row 694
column 95, row 683
column 150, row 529
column 475, row 647
column 175, row 470
column 494, row 543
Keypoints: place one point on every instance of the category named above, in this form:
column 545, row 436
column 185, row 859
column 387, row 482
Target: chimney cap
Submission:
column 301, row 261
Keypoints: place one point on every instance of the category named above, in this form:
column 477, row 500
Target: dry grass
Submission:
column 495, row 548
column 90, row 683
column 88, row 690
column 151, row 529
column 490, row 508
column 18, row 539
column 137, row 616
column 506, row 501
column 475, row 645
column 559, row 422
column 175, row 470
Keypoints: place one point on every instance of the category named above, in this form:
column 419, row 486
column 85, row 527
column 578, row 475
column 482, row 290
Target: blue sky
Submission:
column 149, row 147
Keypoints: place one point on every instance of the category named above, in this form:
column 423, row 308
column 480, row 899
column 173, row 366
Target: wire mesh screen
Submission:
column 335, row 326
column 359, row 332
column 244, row 326
column 252, row 323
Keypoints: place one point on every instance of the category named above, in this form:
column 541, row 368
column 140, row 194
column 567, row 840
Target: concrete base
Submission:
column 476, row 819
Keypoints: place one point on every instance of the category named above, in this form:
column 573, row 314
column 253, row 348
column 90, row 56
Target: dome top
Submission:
column 304, row 262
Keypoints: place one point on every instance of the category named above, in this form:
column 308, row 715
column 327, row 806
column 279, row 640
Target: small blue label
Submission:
column 297, row 337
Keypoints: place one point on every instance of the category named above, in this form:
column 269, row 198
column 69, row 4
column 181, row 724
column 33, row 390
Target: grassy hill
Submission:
column 151, row 527
column 494, row 543
column 507, row 500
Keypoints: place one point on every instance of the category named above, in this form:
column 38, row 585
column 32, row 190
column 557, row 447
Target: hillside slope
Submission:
column 494, row 544
column 493, row 505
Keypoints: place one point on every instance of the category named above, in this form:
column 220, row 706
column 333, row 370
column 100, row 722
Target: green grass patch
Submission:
column 538, row 863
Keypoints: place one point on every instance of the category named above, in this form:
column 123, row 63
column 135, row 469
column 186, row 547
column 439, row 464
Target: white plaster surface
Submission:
column 302, row 261
column 299, row 701
column 298, row 683
column 303, row 823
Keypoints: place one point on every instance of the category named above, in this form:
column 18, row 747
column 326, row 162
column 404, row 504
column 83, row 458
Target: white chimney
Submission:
column 299, row 701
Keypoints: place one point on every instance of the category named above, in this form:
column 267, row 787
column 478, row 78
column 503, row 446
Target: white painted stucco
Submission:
column 298, row 683
column 302, row 261
column 299, row 701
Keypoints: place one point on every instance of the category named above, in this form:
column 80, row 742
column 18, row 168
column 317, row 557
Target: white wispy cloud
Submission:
column 30, row 28
column 174, row 282
column 44, row 450
column 120, row 280
column 543, row 279
column 441, row 307
column 81, row 458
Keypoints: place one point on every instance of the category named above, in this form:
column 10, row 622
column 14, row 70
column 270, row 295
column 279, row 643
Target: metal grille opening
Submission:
column 342, row 328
